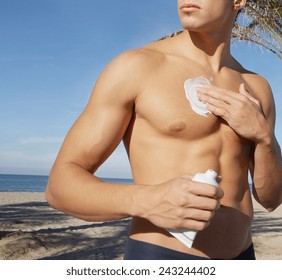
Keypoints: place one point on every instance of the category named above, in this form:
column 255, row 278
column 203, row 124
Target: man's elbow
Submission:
column 268, row 198
column 50, row 197
column 54, row 190
column 54, row 202
column 51, row 193
column 270, row 205
column 273, row 206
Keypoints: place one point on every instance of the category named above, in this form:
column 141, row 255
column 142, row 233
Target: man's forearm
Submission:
column 75, row 191
column 267, row 173
column 177, row 203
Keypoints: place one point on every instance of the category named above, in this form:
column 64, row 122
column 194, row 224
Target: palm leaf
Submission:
column 260, row 23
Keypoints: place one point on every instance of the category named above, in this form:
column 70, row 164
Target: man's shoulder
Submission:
column 257, row 82
column 259, row 88
column 252, row 78
column 129, row 70
column 147, row 57
column 130, row 63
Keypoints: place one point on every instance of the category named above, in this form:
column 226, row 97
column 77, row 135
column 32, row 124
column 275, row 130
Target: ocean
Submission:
column 36, row 183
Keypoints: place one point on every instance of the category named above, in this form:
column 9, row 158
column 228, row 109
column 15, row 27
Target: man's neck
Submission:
column 210, row 50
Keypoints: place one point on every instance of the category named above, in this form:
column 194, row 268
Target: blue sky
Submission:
column 51, row 53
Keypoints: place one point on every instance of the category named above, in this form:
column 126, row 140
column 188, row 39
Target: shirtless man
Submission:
column 140, row 98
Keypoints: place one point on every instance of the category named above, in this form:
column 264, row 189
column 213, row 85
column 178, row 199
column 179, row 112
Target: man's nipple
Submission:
column 177, row 126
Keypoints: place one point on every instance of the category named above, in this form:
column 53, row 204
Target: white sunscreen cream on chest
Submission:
column 187, row 236
column 190, row 87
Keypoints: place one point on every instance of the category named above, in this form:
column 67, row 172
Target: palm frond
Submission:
column 261, row 23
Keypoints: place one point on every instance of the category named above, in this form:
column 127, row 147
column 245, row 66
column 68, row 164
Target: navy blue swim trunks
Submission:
column 139, row 250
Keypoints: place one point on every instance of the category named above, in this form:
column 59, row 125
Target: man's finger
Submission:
column 229, row 97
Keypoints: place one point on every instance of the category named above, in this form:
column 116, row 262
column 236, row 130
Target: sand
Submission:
column 30, row 229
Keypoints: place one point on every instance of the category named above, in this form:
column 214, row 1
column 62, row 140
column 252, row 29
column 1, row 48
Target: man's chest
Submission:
column 164, row 108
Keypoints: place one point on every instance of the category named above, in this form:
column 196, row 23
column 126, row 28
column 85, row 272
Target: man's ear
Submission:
column 239, row 4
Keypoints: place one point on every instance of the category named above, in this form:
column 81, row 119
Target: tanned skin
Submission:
column 139, row 98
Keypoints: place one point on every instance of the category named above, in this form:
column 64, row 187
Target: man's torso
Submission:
column 167, row 139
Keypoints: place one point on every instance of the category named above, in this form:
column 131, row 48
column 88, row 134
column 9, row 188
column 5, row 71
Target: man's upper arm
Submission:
column 103, row 123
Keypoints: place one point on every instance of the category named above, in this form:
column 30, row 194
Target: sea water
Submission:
column 36, row 183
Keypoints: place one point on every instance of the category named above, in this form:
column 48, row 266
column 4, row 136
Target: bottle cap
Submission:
column 211, row 173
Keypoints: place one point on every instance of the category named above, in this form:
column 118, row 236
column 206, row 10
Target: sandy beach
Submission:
column 30, row 229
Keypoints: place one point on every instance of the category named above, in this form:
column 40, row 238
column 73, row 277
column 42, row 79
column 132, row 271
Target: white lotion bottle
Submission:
column 187, row 236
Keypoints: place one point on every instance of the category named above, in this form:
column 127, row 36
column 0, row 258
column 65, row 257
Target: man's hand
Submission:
column 241, row 111
column 180, row 203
